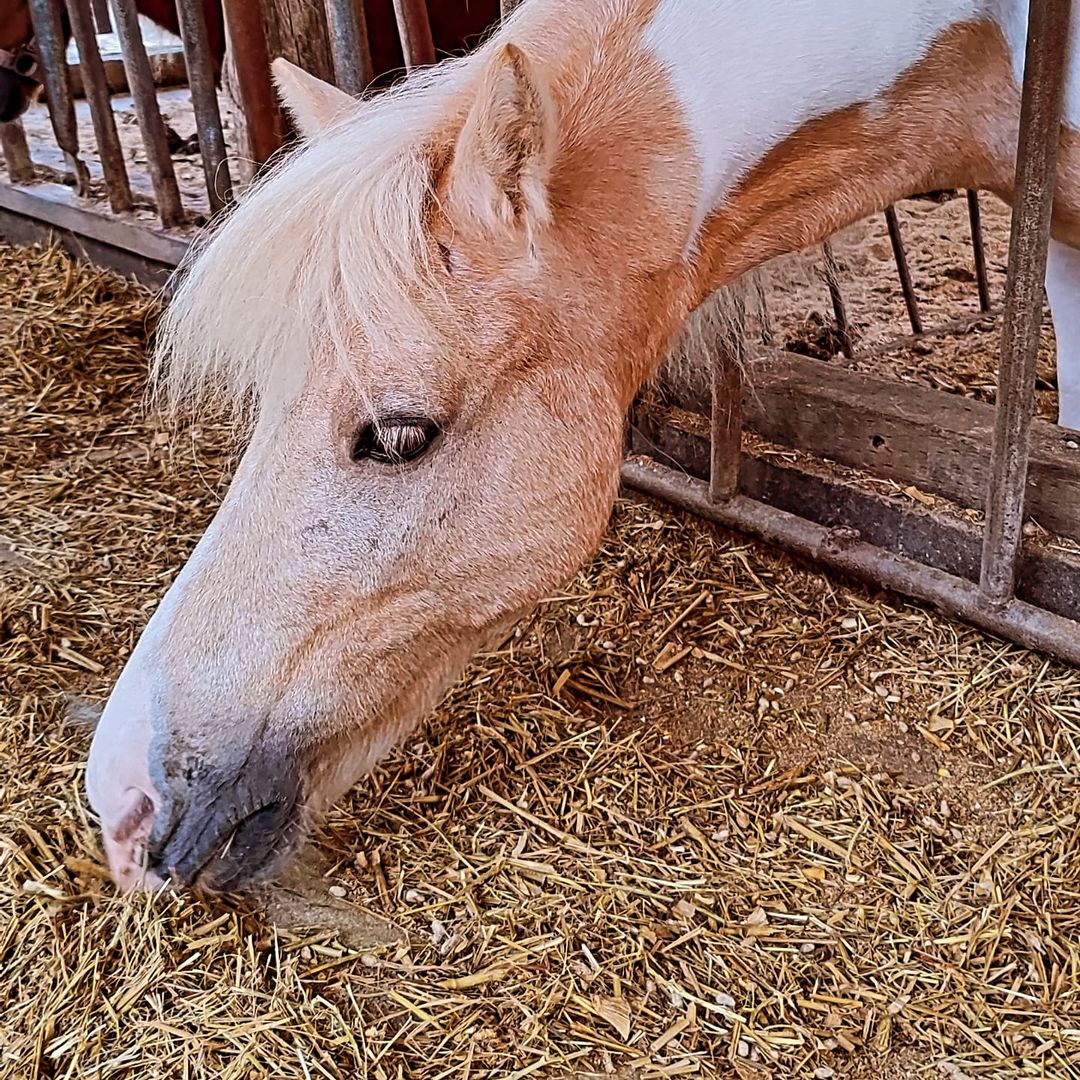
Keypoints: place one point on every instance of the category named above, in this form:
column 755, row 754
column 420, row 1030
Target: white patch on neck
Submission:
column 749, row 73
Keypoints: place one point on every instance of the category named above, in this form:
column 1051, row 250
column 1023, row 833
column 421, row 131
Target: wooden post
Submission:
column 297, row 30
column 294, row 29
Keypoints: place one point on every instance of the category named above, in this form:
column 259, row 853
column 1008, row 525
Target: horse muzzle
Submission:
column 226, row 829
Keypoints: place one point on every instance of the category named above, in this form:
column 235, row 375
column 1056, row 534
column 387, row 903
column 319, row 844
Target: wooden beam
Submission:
column 1048, row 578
column 19, row 229
column 935, row 441
column 57, row 206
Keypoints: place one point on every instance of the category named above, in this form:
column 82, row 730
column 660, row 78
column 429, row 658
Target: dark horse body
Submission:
column 454, row 27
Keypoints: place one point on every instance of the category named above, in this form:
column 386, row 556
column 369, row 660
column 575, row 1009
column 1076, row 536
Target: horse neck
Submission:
column 707, row 137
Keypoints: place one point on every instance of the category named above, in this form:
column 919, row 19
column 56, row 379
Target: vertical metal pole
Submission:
column 900, row 256
column 200, row 73
column 101, row 16
column 832, row 280
column 768, row 337
column 726, row 423
column 1036, row 166
column 247, row 42
column 414, row 29
column 20, row 166
column 151, row 127
column 347, row 26
column 978, row 249
column 96, row 88
column 52, row 44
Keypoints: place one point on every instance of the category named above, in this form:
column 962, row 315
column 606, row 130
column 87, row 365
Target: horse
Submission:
column 436, row 313
column 453, row 26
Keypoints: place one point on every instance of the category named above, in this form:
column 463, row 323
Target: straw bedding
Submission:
column 707, row 813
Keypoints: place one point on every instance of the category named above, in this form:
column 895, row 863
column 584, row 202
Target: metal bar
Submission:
column 200, row 71
column 96, row 89
column 347, row 27
column 726, row 425
column 765, row 326
column 51, row 44
column 843, row 550
column 251, row 62
column 832, row 280
column 1036, row 166
column 902, row 268
column 141, row 83
column 20, row 166
column 414, row 29
column 102, row 19
column 978, row 249
column 1048, row 578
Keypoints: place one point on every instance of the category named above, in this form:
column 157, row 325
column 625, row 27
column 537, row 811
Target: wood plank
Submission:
column 18, row 229
column 1048, row 578
column 936, row 441
column 844, row 551
column 166, row 65
column 59, row 206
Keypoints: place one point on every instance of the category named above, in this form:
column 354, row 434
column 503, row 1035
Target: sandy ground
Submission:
column 175, row 106
column 709, row 813
column 937, row 239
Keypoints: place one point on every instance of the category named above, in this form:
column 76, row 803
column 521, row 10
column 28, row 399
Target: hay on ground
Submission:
column 708, row 813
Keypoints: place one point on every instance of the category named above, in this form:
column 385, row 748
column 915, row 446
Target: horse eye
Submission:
column 396, row 440
column 25, row 63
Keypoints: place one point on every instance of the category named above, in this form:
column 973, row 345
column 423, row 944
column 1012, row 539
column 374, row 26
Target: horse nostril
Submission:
column 136, row 817
column 126, row 830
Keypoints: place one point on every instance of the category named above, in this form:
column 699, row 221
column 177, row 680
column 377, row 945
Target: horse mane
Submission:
column 329, row 244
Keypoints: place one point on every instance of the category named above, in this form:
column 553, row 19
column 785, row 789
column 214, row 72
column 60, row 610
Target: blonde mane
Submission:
column 328, row 244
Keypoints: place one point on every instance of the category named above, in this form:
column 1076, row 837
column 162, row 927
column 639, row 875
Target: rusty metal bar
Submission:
column 1036, row 168
column 978, row 249
column 765, row 326
column 52, row 46
column 20, row 166
column 251, row 62
column 904, row 271
column 102, row 19
column 726, row 424
column 152, row 128
column 347, row 27
column 414, row 29
column 96, row 89
column 832, row 280
column 844, row 551
column 200, row 73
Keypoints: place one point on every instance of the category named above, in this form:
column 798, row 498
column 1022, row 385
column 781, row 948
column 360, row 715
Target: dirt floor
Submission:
column 937, row 239
column 708, row 813
column 175, row 106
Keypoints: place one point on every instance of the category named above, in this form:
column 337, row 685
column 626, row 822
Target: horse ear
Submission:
column 498, row 176
column 314, row 104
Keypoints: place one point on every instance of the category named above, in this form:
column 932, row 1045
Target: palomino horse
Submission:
column 441, row 308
